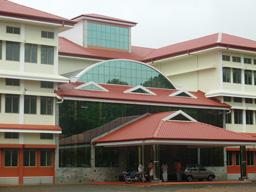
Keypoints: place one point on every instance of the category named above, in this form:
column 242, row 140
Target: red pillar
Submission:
column 21, row 167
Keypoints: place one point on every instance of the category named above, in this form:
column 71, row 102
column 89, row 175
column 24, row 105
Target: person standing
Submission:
column 178, row 171
column 164, row 168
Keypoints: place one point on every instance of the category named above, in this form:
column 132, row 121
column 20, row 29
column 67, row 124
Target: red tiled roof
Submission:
column 11, row 9
column 68, row 48
column 217, row 39
column 116, row 92
column 152, row 127
column 23, row 127
column 104, row 17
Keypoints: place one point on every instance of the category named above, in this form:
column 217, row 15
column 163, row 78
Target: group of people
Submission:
column 164, row 168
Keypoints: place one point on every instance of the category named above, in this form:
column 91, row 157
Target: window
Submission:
column 13, row 30
column 12, row 51
column 238, row 100
column 248, row 100
column 47, row 55
column 75, row 156
column 46, row 105
column 29, row 158
column 247, row 60
column 30, row 53
column 225, row 57
column 229, row 158
column 237, row 73
column 30, row 104
column 228, row 118
column 47, row 34
column 238, row 158
column 11, row 157
column 248, row 77
column 12, row 82
column 11, row 103
column 226, row 74
column 107, row 35
column 238, row 116
column 0, row 49
column 46, row 136
column 45, row 158
column 236, row 59
column 227, row 99
column 212, row 156
column 250, row 158
column 10, row 135
column 254, row 61
column 125, row 73
column 45, row 84
column 249, row 117
column 254, row 77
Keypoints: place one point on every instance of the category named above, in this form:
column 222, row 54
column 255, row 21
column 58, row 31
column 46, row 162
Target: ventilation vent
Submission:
column 91, row 86
column 179, row 116
column 139, row 90
column 183, row 94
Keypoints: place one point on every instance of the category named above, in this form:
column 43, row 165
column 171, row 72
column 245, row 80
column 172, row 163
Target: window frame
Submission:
column 28, row 107
column 46, row 57
column 47, row 110
column 11, row 135
column 46, row 159
column 10, row 51
column 13, row 30
column 47, row 85
column 237, row 78
column 12, row 82
column 31, row 51
column 239, row 120
column 11, row 157
column 29, row 151
column 13, row 102
column 226, row 74
column 248, row 79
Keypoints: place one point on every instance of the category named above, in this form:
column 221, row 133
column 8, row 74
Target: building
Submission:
column 28, row 78
column 223, row 66
column 82, row 79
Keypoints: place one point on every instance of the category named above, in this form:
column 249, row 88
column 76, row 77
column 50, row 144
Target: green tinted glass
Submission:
column 108, row 36
column 126, row 72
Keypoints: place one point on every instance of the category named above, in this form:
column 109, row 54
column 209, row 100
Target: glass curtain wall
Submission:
column 78, row 117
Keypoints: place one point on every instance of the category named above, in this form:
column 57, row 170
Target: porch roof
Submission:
column 157, row 129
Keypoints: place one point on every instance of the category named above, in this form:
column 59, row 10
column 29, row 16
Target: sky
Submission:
column 164, row 22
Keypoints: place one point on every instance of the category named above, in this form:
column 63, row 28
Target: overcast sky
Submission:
column 163, row 22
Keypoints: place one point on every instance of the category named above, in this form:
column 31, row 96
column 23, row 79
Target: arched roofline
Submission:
column 105, row 61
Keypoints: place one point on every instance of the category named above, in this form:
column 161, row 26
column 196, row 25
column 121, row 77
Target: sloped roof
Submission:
column 69, row 48
column 150, row 54
column 94, row 16
column 161, row 97
column 152, row 127
column 29, row 128
column 11, row 9
column 209, row 41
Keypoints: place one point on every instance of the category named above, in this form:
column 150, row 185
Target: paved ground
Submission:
column 129, row 188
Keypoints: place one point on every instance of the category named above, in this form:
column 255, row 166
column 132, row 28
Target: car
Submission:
column 198, row 172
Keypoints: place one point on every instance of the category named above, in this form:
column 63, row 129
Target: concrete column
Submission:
column 243, row 166
column 156, row 162
column 92, row 156
column 198, row 156
column 20, row 164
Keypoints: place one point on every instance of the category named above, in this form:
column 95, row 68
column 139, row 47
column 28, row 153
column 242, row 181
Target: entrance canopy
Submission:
column 171, row 128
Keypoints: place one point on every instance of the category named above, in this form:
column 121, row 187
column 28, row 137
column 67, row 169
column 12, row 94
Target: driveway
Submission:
column 245, row 187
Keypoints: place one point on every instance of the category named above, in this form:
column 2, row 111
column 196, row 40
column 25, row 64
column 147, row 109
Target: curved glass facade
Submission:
column 126, row 72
